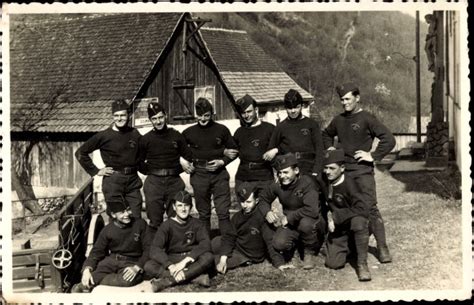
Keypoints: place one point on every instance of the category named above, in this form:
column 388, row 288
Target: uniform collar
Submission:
column 339, row 181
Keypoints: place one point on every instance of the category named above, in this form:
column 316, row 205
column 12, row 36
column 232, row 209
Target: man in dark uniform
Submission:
column 118, row 147
column 181, row 249
column 252, row 141
column 299, row 135
column 356, row 130
column 120, row 252
column 347, row 217
column 160, row 152
column 302, row 224
column 208, row 140
column 251, row 237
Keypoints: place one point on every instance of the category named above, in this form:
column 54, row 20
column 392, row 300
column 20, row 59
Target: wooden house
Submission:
column 67, row 69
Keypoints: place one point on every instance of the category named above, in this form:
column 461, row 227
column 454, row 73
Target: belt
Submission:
column 162, row 172
column 200, row 163
column 254, row 165
column 304, row 155
column 121, row 257
column 126, row 170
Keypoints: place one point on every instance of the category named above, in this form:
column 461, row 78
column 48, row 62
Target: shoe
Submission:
column 384, row 255
column 160, row 284
column 308, row 260
column 203, row 280
column 363, row 272
column 79, row 288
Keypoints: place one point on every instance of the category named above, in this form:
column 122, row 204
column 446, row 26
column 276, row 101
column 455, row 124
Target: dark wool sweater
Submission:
column 118, row 149
column 346, row 201
column 303, row 135
column 299, row 199
column 252, row 143
column 175, row 238
column 161, row 149
column 356, row 131
column 208, row 142
column 252, row 236
column 131, row 240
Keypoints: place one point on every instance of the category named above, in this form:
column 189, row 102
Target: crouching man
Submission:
column 181, row 249
column 250, row 237
column 120, row 252
column 302, row 225
column 347, row 217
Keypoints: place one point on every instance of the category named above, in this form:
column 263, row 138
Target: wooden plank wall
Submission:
column 54, row 165
column 198, row 72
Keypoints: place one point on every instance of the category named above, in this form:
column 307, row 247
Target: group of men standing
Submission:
column 325, row 195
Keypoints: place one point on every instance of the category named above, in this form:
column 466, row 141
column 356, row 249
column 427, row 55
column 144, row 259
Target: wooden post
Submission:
column 418, row 94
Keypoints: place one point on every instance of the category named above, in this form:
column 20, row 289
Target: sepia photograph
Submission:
column 184, row 153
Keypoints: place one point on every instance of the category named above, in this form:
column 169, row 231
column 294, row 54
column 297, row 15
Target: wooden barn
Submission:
column 66, row 70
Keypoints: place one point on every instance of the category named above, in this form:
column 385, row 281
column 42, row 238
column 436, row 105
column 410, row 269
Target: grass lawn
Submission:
column 424, row 235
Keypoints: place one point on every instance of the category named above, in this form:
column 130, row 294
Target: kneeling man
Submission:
column 181, row 249
column 250, row 237
column 348, row 216
column 302, row 225
column 120, row 252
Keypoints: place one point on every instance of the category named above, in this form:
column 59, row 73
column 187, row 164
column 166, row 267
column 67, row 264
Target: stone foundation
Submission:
column 437, row 144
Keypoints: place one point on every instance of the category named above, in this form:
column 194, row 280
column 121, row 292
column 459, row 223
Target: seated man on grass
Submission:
column 181, row 249
column 347, row 217
column 120, row 252
column 302, row 226
column 250, row 237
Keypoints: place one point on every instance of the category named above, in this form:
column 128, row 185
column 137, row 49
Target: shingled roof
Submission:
column 246, row 68
column 83, row 60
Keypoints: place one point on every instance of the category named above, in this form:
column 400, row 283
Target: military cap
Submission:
column 284, row 161
column 292, row 99
column 333, row 156
column 346, row 88
column 154, row 108
column 184, row 197
column 202, row 106
column 244, row 102
column 244, row 190
column 119, row 105
column 117, row 205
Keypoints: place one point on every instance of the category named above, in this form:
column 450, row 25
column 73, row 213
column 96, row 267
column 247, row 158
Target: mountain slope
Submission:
column 322, row 49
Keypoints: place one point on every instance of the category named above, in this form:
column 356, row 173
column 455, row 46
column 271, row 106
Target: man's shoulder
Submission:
column 306, row 182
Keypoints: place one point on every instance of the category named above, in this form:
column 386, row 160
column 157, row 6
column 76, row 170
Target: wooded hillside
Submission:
column 322, row 49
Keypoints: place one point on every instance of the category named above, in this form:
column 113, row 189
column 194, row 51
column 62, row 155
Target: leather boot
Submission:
column 160, row 284
column 79, row 288
column 203, row 280
column 363, row 272
column 308, row 259
column 384, row 255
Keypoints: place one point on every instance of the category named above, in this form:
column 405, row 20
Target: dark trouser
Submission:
column 235, row 260
column 216, row 184
column 338, row 242
column 118, row 186
column 159, row 193
column 109, row 272
column 309, row 233
column 200, row 266
column 366, row 183
column 259, row 184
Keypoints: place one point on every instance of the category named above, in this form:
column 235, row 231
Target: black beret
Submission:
column 116, row 205
column 202, row 106
column 244, row 102
column 119, row 105
column 333, row 156
column 154, row 108
column 284, row 161
column 184, row 197
column 292, row 99
column 346, row 88
column 244, row 190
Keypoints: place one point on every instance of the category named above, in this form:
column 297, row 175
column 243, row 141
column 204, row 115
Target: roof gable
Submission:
column 84, row 58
